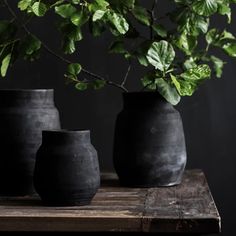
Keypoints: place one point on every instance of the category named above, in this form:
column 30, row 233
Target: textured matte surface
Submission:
column 188, row 207
column 66, row 170
column 149, row 145
column 23, row 116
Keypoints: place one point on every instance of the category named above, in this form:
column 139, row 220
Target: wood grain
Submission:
column 188, row 208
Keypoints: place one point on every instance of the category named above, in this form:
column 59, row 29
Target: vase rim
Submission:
column 63, row 131
column 26, row 90
column 142, row 92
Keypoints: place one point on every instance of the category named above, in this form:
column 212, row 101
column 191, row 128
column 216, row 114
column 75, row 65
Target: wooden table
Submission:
column 188, row 207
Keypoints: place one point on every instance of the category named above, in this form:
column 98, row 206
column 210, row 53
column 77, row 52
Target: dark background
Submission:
column 209, row 116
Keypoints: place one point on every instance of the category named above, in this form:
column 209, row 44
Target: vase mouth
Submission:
column 26, row 90
column 142, row 93
column 143, row 98
column 65, row 136
column 27, row 97
column 66, row 131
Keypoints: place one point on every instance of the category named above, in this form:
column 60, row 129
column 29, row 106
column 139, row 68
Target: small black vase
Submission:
column 149, row 144
column 66, row 170
column 24, row 113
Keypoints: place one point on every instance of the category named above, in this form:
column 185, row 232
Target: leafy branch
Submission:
column 167, row 74
column 91, row 74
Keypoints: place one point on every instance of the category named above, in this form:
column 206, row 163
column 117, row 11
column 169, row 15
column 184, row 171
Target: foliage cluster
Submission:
column 177, row 63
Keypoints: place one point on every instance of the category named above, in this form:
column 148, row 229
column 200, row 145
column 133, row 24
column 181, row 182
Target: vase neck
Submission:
column 144, row 99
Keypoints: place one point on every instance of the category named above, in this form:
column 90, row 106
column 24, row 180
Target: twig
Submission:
column 9, row 43
column 91, row 74
column 10, row 9
column 153, row 18
column 126, row 75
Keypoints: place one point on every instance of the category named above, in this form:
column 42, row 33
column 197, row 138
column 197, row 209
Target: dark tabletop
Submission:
column 188, row 207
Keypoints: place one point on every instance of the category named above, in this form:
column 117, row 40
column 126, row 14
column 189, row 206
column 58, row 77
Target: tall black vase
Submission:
column 66, row 170
column 23, row 116
column 149, row 144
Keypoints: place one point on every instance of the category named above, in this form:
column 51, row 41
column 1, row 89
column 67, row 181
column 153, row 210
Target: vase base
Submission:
column 76, row 202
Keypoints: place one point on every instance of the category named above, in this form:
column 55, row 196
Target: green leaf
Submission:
column 5, row 64
column 98, row 15
column 211, row 36
column 176, row 83
column 148, row 81
column 142, row 59
column 141, row 52
column 218, row 39
column 230, row 49
column 224, row 9
column 96, row 28
column 79, row 18
column 122, row 6
column 218, row 65
column 186, row 43
column 187, row 82
column 39, row 8
column 68, row 46
column 102, row 3
column 118, row 21
column 160, row 30
column 201, row 72
column 81, row 86
column 71, row 34
column 75, row 1
column 189, row 63
column 98, row 84
column 189, row 21
column 167, row 91
column 199, row 24
column 74, row 69
column 24, row 4
column 142, row 15
column 30, row 45
column 161, row 54
column 117, row 47
column 65, row 10
column 205, row 7
column 98, row 5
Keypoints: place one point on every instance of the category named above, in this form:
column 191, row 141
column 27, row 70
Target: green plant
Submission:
column 176, row 61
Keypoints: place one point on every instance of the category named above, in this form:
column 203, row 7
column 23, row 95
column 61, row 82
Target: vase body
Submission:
column 149, row 144
column 23, row 116
column 67, row 169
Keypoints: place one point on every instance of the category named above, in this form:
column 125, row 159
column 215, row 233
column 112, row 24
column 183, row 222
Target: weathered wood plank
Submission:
column 188, row 207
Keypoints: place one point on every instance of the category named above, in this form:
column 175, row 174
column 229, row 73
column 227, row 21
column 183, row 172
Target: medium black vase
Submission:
column 23, row 116
column 149, row 144
column 66, row 170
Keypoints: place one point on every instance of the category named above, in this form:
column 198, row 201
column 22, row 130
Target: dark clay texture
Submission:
column 67, row 170
column 23, row 116
column 149, row 145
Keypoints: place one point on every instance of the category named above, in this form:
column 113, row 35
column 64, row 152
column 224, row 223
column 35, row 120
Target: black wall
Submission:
column 209, row 116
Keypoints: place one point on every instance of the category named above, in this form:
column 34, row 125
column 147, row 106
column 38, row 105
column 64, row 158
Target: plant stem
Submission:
column 91, row 74
column 9, row 43
column 126, row 75
column 153, row 18
column 49, row 50
column 10, row 9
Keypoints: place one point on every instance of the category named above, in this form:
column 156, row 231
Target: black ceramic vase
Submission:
column 149, row 145
column 23, row 116
column 66, row 170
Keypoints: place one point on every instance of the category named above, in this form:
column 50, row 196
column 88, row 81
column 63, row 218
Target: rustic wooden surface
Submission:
column 188, row 207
